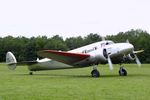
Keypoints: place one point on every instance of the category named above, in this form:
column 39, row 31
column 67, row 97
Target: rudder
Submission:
column 11, row 61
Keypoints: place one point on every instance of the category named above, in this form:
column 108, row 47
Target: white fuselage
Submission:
column 98, row 55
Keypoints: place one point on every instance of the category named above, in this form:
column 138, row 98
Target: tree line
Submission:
column 25, row 49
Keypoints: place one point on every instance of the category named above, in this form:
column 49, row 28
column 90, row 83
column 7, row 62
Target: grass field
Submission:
column 75, row 84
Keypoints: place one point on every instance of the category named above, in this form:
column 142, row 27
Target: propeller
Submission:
column 137, row 60
column 103, row 38
column 134, row 53
column 110, row 63
column 127, row 41
column 107, row 55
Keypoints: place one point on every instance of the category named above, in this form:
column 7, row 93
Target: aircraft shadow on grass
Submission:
column 85, row 76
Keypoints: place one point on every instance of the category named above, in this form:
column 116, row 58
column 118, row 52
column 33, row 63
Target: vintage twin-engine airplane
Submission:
column 102, row 52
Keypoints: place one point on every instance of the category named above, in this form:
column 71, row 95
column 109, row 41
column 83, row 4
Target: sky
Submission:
column 70, row 18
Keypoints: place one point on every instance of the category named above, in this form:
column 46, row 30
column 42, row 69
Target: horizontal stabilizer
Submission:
column 27, row 63
column 64, row 57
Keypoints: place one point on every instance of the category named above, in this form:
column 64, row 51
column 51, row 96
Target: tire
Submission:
column 95, row 73
column 122, row 72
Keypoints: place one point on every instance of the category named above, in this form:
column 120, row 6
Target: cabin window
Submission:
column 95, row 48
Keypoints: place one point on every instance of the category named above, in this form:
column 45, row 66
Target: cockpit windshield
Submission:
column 106, row 43
column 109, row 42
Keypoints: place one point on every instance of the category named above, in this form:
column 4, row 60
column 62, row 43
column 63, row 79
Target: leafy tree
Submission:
column 91, row 38
column 26, row 48
column 74, row 42
column 56, row 43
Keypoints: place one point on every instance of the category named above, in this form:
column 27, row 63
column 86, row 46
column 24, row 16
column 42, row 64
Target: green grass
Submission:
column 75, row 84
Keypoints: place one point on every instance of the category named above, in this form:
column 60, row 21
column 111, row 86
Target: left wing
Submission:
column 138, row 51
column 62, row 56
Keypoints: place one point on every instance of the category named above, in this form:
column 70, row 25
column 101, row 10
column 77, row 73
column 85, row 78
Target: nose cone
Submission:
column 126, row 48
column 130, row 46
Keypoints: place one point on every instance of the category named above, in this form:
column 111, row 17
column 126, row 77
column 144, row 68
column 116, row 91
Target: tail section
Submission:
column 11, row 61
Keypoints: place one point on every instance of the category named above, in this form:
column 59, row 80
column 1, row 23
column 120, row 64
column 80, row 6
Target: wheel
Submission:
column 95, row 73
column 122, row 72
column 30, row 73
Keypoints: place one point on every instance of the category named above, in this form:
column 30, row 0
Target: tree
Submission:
column 91, row 38
column 27, row 48
column 56, row 43
column 74, row 42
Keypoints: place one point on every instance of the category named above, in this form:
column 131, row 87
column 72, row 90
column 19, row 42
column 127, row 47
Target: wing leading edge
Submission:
column 62, row 56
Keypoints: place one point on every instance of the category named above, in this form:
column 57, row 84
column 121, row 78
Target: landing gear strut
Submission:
column 95, row 73
column 122, row 71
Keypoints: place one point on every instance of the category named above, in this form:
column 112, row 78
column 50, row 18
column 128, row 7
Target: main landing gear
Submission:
column 95, row 73
column 122, row 71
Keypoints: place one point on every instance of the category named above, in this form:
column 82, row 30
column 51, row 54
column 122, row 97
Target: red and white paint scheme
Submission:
column 102, row 52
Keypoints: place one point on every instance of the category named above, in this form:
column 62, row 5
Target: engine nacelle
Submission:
column 131, row 56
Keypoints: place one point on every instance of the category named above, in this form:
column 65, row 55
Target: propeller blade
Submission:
column 110, row 63
column 137, row 61
column 127, row 41
column 103, row 38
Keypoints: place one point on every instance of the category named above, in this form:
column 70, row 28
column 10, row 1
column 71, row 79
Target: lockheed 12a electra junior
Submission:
column 102, row 52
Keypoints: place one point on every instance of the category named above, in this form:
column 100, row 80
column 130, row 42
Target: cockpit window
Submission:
column 108, row 43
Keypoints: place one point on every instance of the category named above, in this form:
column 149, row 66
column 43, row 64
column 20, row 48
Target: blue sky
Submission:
column 69, row 18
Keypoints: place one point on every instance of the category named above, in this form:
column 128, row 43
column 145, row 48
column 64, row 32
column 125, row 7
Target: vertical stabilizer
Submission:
column 11, row 61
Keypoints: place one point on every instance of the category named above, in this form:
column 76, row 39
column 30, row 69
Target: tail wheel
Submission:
column 30, row 73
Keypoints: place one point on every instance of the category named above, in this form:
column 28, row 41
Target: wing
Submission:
column 64, row 57
column 138, row 51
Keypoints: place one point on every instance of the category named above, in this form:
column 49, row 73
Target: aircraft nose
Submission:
column 130, row 46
